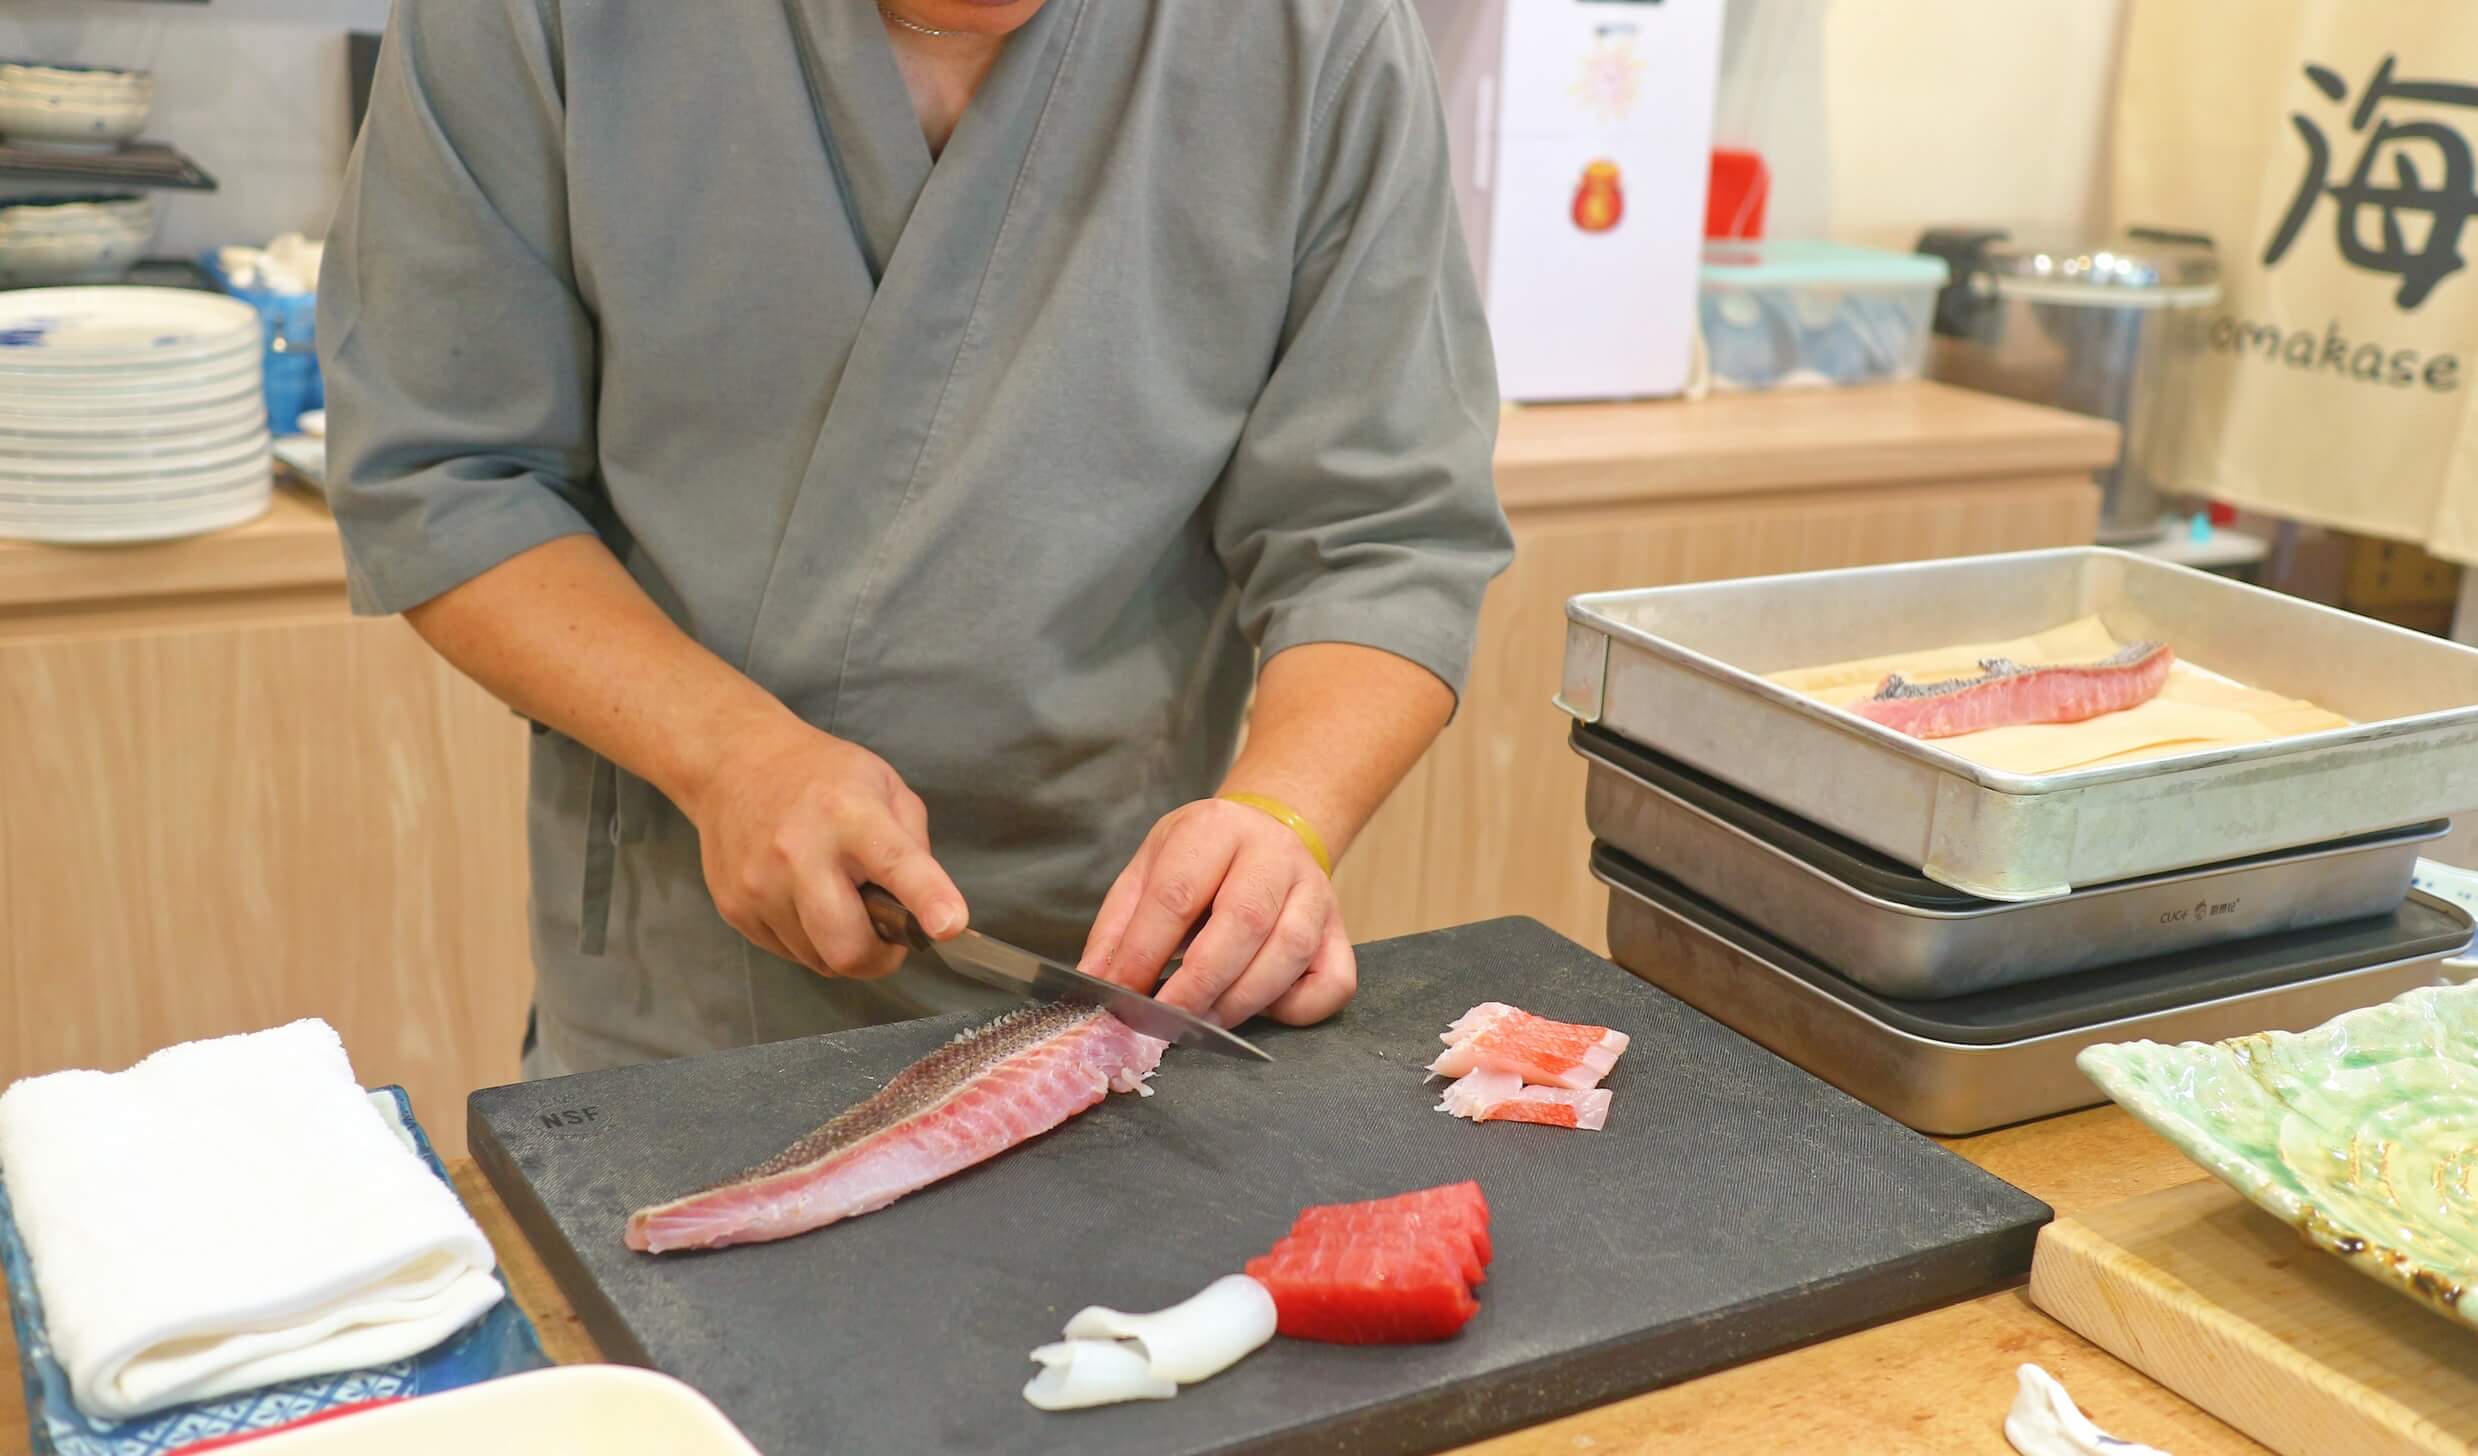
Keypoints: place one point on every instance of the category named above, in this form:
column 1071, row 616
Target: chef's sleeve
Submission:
column 457, row 356
column 1360, row 505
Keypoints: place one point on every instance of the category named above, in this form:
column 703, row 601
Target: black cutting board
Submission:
column 1734, row 1206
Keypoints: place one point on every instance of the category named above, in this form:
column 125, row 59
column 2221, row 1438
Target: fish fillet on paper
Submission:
column 2007, row 694
column 972, row 1099
column 2195, row 709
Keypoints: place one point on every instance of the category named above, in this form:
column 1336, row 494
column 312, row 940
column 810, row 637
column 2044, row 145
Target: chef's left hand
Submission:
column 1273, row 941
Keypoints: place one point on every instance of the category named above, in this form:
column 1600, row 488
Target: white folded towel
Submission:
column 231, row 1214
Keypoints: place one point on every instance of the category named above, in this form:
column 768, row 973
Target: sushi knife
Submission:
column 1009, row 968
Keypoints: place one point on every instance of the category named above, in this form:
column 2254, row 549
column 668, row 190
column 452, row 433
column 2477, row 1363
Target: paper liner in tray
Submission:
column 2197, row 709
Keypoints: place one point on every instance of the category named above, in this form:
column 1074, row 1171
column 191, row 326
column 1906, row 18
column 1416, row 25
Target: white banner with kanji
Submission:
column 2327, row 148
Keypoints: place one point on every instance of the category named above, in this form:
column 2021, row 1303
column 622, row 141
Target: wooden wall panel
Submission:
column 212, row 831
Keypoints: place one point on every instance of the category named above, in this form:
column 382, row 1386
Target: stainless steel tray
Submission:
column 1680, row 670
column 1939, row 1083
column 1898, row 934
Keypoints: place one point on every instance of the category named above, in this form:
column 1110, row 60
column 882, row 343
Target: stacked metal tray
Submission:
column 1968, row 1063
column 1940, row 938
column 1895, row 932
column 1682, row 670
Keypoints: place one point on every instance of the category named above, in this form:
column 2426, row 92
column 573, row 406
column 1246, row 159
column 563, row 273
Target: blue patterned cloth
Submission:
column 500, row 1343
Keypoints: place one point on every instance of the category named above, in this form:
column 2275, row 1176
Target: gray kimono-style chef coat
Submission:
column 1005, row 467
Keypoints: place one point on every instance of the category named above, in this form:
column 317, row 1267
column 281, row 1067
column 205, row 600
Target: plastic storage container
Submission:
column 1788, row 313
column 294, row 384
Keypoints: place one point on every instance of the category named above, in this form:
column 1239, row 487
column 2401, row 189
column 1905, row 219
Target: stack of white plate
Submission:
column 130, row 414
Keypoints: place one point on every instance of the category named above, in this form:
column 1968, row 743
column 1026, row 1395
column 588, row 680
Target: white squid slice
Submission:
column 1193, row 1340
column 1080, row 1373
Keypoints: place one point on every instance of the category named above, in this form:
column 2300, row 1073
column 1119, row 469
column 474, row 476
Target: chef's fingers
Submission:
column 1100, row 956
column 1180, row 884
column 1246, row 909
column 762, row 936
column 882, row 852
column 1297, row 935
column 1331, row 981
column 835, row 922
column 786, row 937
column 913, row 814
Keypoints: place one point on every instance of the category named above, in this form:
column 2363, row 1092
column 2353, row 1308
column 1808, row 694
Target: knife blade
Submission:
column 1004, row 967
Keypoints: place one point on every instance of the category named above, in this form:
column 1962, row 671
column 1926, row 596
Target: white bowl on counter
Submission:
column 73, row 240
column 567, row 1410
column 73, row 106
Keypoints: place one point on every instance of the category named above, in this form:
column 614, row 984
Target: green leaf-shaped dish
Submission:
column 2362, row 1133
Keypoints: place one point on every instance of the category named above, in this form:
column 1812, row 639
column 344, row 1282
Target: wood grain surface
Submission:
column 1737, row 445
column 216, row 830
column 2227, row 1305
column 292, row 545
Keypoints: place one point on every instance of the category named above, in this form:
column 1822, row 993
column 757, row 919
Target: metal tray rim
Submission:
column 2414, row 834
column 1583, row 610
column 2044, row 1038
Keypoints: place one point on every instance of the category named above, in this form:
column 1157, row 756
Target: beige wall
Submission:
column 1966, row 111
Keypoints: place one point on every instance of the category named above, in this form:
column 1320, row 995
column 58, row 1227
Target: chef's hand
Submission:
column 791, row 822
column 1272, row 939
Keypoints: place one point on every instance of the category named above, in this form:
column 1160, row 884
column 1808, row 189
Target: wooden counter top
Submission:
column 1937, row 1382
column 1796, row 440
column 1548, row 456
column 292, row 546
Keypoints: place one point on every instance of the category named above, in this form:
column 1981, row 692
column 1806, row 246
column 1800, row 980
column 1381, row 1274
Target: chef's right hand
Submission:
column 790, row 822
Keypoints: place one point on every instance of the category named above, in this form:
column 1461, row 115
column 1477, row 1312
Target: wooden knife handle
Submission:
column 894, row 924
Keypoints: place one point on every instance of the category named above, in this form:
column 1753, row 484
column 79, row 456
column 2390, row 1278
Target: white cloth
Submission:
column 230, row 1214
column 2045, row 1422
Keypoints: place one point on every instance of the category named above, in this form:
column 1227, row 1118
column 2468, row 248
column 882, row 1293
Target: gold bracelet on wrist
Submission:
column 1292, row 821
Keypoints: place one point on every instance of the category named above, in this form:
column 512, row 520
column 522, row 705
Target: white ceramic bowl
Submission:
column 127, row 212
column 74, row 240
column 566, row 1410
column 77, row 80
column 97, row 257
column 45, row 105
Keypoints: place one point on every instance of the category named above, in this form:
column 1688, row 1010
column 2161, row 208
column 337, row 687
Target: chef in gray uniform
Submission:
column 889, row 444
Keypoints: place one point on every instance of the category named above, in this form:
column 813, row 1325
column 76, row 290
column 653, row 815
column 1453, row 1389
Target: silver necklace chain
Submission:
column 913, row 25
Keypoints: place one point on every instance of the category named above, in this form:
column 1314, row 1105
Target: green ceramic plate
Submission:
column 2362, row 1134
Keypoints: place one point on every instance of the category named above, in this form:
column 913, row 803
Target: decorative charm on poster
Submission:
column 1599, row 202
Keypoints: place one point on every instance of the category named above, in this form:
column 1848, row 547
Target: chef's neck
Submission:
column 942, row 71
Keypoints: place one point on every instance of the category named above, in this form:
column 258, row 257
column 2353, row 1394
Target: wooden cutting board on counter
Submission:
column 2226, row 1305
column 1734, row 1206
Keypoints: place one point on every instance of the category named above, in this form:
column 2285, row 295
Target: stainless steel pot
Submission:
column 2084, row 326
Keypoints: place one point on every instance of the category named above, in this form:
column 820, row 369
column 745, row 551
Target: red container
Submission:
column 1734, row 206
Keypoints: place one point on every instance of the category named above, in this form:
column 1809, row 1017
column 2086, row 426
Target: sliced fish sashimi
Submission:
column 1486, row 1096
column 1493, row 1036
column 1386, row 1271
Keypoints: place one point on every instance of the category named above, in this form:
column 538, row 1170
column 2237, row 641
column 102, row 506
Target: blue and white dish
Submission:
column 120, row 328
column 78, row 107
column 502, row 1342
column 82, row 239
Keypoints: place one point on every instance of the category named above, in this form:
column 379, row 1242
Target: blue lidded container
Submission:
column 293, row 383
column 1790, row 312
